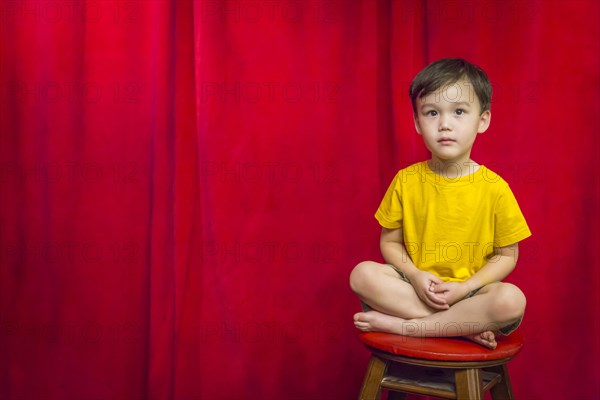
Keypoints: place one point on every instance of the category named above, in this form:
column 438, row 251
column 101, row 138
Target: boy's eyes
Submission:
column 433, row 113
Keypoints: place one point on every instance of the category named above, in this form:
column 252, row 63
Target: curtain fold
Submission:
column 185, row 187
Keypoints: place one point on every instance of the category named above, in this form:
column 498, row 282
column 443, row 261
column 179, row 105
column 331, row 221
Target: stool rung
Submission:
column 429, row 381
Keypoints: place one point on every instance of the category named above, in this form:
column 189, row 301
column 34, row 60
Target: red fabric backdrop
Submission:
column 185, row 187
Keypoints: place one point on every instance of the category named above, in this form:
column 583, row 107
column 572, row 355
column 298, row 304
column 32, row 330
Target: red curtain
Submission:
column 186, row 186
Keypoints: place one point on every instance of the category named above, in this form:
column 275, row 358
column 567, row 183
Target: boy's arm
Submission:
column 497, row 268
column 394, row 252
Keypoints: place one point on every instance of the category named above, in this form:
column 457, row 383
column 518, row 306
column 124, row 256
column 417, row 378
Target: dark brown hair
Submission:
column 446, row 72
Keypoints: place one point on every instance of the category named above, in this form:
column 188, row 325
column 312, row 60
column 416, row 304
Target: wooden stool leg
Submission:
column 503, row 389
column 469, row 384
column 371, row 389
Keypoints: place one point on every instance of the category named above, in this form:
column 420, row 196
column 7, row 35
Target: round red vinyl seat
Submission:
column 442, row 349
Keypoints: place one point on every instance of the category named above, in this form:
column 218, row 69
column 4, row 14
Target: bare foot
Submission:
column 486, row 339
column 374, row 321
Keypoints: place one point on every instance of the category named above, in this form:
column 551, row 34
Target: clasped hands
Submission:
column 436, row 293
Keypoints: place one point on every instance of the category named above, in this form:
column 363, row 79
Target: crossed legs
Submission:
column 397, row 308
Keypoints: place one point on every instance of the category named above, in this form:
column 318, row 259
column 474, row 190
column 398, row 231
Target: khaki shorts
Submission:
column 506, row 330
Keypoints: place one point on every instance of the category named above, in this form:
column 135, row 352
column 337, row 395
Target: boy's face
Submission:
column 449, row 120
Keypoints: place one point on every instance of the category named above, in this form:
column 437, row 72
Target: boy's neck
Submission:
column 452, row 169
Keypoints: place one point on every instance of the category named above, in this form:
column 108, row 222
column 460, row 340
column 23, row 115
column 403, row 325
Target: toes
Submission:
column 483, row 339
column 358, row 316
column 361, row 317
column 362, row 326
column 361, row 323
column 489, row 340
column 488, row 336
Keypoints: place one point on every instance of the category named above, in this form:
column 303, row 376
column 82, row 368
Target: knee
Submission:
column 361, row 276
column 509, row 302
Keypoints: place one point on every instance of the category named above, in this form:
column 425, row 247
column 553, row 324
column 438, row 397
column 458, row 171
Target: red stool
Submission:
column 451, row 368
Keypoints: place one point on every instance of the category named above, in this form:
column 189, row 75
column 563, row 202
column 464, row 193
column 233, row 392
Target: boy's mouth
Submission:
column 446, row 140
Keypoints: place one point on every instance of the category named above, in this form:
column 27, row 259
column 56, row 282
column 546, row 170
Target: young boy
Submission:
column 450, row 227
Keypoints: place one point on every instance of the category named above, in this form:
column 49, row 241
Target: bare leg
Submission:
column 379, row 322
column 381, row 288
column 494, row 306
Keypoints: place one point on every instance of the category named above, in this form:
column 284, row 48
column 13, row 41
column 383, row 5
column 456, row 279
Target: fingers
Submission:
column 426, row 288
column 438, row 292
column 435, row 279
column 437, row 306
column 441, row 287
column 436, row 302
column 432, row 287
column 436, row 298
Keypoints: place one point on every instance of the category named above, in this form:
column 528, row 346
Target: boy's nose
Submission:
column 444, row 124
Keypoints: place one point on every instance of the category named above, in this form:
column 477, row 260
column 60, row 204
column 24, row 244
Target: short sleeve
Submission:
column 509, row 222
column 389, row 213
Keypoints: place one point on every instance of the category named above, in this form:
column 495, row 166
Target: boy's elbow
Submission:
column 509, row 264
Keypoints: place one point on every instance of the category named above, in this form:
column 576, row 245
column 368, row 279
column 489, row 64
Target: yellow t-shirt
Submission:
column 451, row 226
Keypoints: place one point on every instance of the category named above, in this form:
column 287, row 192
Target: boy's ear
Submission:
column 484, row 121
column 416, row 120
